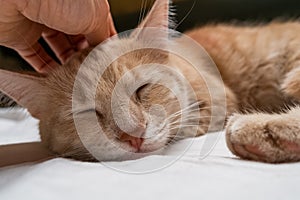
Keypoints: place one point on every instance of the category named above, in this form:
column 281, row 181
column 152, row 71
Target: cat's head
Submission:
column 141, row 117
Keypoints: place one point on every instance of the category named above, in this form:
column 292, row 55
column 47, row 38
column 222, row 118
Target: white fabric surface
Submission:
column 218, row 176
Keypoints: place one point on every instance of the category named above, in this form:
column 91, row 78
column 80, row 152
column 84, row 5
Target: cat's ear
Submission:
column 25, row 89
column 158, row 18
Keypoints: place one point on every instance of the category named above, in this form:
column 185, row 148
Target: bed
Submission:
column 178, row 173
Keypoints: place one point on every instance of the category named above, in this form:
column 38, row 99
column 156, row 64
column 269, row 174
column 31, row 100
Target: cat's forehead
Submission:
column 131, row 53
column 116, row 57
column 106, row 64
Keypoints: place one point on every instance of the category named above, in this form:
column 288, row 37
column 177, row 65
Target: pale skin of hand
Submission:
column 66, row 25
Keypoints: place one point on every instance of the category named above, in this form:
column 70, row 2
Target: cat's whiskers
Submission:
column 145, row 3
column 192, row 118
column 187, row 14
column 189, row 115
column 188, row 125
column 183, row 110
column 178, row 113
column 140, row 16
column 187, row 120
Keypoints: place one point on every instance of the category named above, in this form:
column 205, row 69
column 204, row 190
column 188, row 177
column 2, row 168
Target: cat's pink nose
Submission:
column 133, row 141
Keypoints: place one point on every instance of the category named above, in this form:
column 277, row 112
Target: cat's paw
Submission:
column 264, row 137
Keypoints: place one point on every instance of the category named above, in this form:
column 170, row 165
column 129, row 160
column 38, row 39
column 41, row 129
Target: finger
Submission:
column 112, row 26
column 38, row 58
column 79, row 42
column 59, row 43
column 103, row 32
column 20, row 153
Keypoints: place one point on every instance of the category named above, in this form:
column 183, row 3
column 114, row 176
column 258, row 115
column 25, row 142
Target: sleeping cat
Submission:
column 259, row 66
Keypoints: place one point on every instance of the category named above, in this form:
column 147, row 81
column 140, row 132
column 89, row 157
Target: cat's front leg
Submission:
column 265, row 137
column 291, row 84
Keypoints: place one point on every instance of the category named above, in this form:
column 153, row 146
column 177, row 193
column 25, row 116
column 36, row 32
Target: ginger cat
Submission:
column 259, row 66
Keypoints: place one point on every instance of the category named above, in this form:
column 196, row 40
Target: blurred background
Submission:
column 189, row 14
column 194, row 13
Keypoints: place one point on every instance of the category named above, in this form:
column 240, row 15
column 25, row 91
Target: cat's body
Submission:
column 261, row 56
column 259, row 66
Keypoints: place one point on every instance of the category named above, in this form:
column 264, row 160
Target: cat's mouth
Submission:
column 144, row 145
column 134, row 142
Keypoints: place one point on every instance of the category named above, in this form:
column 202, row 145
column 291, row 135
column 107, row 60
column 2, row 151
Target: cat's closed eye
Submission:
column 140, row 90
column 92, row 110
column 99, row 115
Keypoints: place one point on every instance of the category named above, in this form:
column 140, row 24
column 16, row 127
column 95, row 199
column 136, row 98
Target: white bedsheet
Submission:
column 218, row 176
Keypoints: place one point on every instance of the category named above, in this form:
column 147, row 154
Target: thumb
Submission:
column 37, row 57
column 103, row 32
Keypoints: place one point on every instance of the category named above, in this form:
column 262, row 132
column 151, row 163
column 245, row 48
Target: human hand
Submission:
column 66, row 25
